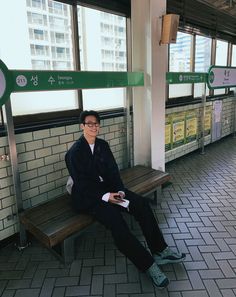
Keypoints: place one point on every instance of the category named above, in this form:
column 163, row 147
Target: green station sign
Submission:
column 5, row 83
column 185, row 77
column 30, row 81
column 221, row 77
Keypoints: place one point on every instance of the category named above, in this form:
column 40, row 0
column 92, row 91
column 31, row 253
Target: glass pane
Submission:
column 44, row 42
column 102, row 48
column 221, row 59
column 202, row 54
column 221, row 53
column 180, row 90
column 180, row 61
column 202, row 62
column 180, row 53
column 233, row 63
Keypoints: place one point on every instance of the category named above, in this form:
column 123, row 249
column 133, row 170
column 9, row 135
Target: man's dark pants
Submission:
column 110, row 216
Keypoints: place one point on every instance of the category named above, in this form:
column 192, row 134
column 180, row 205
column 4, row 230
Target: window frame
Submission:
column 186, row 100
column 32, row 122
column 191, row 66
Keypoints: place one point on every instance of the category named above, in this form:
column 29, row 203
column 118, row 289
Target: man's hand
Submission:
column 122, row 194
column 115, row 198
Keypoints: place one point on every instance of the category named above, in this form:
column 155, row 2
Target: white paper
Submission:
column 124, row 203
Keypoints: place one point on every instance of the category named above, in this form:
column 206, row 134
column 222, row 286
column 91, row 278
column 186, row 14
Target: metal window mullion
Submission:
column 229, row 54
column 213, row 58
column 168, row 69
column 193, row 54
column 129, row 93
column 229, row 60
column 76, row 54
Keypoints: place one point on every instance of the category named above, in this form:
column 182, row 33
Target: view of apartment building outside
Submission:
column 182, row 59
column 50, row 36
column 42, row 40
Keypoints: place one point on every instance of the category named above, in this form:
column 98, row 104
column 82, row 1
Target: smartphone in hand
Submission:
column 121, row 201
column 118, row 197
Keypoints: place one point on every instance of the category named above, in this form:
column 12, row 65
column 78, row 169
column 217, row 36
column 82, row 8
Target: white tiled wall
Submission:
column 227, row 127
column 42, row 168
column 43, row 172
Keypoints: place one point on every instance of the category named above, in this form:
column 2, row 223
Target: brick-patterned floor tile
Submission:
column 195, row 293
column 197, row 214
column 27, row 293
column 128, row 288
column 77, row 291
column 228, row 293
column 9, row 293
column 59, row 292
column 47, row 288
column 196, row 280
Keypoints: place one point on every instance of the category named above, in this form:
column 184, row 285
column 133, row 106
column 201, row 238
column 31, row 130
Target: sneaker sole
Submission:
column 163, row 285
column 169, row 261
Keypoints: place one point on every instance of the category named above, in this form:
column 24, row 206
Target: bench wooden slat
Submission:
column 146, row 186
column 53, row 232
column 69, row 227
column 50, row 208
column 54, row 235
column 154, row 178
column 68, row 218
column 128, row 175
column 54, row 224
column 55, row 220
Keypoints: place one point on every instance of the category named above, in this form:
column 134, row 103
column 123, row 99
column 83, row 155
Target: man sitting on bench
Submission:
column 98, row 190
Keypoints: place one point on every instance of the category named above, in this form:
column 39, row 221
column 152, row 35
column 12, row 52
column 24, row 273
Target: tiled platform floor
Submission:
column 197, row 214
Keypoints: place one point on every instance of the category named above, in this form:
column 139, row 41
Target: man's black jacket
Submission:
column 85, row 168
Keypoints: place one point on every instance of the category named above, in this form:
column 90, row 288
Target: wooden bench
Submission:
column 56, row 224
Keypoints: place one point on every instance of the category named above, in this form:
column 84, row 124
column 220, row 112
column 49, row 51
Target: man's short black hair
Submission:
column 86, row 113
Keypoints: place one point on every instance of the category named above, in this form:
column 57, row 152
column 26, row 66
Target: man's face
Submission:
column 90, row 126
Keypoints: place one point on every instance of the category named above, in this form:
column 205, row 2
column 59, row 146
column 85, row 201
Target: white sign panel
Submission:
column 216, row 120
column 2, row 83
column 221, row 77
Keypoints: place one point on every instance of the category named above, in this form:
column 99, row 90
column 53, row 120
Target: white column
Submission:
column 141, row 59
column 158, row 86
column 149, row 101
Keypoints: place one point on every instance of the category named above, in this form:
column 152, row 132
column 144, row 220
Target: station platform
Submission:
column 197, row 214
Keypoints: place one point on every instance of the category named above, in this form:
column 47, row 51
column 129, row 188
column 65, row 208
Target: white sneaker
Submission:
column 158, row 277
column 168, row 256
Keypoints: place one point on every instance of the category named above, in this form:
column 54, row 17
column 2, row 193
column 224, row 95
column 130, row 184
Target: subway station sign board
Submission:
column 221, row 77
column 185, row 77
column 30, row 81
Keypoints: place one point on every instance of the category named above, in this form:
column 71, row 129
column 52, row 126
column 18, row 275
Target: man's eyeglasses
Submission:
column 91, row 125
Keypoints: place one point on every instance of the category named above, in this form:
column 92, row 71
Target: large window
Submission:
column 180, row 60
column 233, row 63
column 200, row 47
column 202, row 61
column 103, row 48
column 44, row 39
column 221, row 59
column 36, row 45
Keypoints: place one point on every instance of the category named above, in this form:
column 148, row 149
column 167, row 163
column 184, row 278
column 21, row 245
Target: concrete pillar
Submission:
column 149, row 101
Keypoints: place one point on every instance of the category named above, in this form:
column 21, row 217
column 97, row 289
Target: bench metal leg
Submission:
column 154, row 195
column 68, row 249
column 65, row 251
column 157, row 195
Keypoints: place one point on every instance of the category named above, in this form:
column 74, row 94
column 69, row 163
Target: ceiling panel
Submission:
column 205, row 17
column 225, row 6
